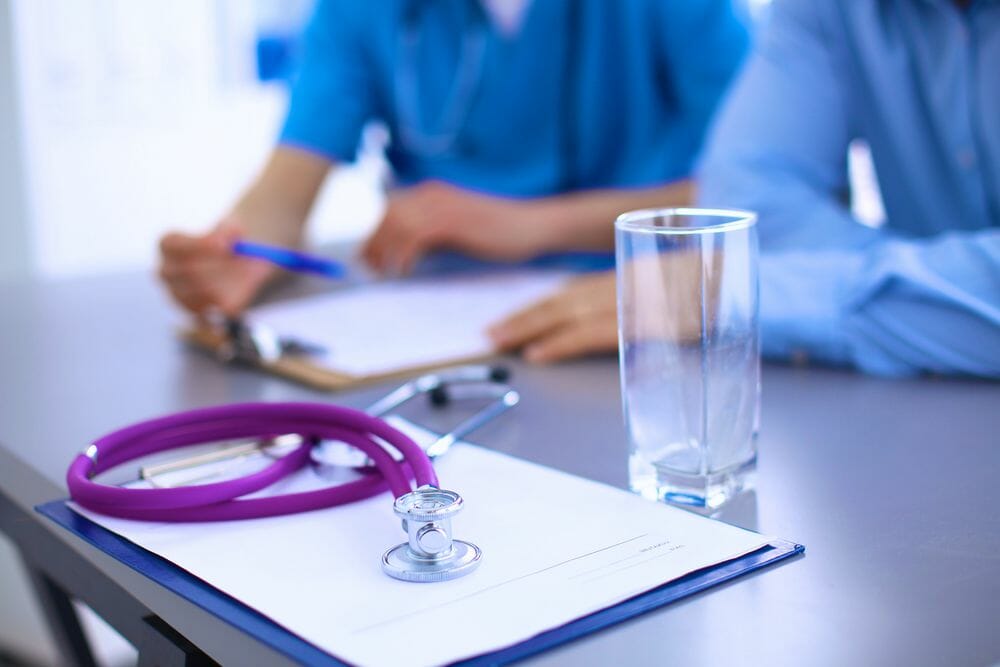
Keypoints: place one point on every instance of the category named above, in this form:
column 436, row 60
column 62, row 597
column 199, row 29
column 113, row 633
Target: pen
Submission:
column 292, row 260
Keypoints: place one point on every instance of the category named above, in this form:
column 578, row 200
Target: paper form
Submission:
column 555, row 548
column 385, row 327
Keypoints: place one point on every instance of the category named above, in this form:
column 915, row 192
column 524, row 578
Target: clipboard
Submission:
column 251, row 344
column 300, row 368
column 262, row 629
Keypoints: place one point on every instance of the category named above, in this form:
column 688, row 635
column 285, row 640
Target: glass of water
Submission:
column 690, row 358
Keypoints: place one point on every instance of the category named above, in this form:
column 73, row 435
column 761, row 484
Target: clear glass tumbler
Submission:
column 690, row 357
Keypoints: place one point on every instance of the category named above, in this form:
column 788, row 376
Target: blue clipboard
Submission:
column 270, row 633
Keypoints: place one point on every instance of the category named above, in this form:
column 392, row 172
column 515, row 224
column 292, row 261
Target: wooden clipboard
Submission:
column 305, row 370
column 439, row 310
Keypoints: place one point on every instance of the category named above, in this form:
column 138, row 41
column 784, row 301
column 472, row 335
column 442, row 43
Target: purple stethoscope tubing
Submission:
column 220, row 501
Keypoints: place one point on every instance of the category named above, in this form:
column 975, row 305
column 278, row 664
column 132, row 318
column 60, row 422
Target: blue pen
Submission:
column 292, row 260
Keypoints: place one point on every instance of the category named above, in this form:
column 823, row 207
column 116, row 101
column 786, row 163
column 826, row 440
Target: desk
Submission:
column 891, row 485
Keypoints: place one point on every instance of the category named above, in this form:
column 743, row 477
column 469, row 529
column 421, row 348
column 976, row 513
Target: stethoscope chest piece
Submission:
column 430, row 554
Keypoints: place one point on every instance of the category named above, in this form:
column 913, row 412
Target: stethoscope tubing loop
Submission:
column 257, row 508
column 310, row 420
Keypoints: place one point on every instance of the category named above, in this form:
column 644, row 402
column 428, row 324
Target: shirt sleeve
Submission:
column 331, row 97
column 898, row 307
column 704, row 43
column 831, row 288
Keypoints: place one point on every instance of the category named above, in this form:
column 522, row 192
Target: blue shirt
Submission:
column 588, row 93
column 919, row 81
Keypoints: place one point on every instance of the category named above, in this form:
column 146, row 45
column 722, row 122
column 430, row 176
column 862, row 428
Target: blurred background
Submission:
column 105, row 105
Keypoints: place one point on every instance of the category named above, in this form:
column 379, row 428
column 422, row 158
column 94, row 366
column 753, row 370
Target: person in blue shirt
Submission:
column 919, row 81
column 517, row 128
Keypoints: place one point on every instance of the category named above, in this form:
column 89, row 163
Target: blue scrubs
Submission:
column 587, row 94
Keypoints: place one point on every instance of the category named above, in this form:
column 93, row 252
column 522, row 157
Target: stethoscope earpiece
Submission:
column 475, row 383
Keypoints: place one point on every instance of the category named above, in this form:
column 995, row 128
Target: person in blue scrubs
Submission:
column 919, row 82
column 517, row 128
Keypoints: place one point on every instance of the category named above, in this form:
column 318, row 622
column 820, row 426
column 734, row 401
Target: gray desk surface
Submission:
column 891, row 485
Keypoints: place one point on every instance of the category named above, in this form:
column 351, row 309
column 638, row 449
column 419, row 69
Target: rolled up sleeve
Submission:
column 331, row 98
column 898, row 307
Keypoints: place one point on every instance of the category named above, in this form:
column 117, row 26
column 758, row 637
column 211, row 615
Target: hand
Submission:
column 666, row 296
column 435, row 215
column 663, row 301
column 581, row 318
column 202, row 272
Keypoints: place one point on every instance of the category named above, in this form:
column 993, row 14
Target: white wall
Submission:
column 142, row 116
column 14, row 252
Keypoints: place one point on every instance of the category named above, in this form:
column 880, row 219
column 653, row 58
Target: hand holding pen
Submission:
column 203, row 274
column 222, row 271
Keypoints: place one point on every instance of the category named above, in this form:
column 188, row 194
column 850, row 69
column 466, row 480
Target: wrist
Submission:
column 266, row 231
column 548, row 227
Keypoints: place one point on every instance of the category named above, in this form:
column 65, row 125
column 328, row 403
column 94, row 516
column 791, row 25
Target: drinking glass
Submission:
column 689, row 352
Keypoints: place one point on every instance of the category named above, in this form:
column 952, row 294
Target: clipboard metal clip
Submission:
column 258, row 344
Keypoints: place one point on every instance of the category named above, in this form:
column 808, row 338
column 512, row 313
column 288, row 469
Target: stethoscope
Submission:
column 438, row 139
column 388, row 458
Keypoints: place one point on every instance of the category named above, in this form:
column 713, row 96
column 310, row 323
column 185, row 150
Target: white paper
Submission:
column 385, row 327
column 555, row 548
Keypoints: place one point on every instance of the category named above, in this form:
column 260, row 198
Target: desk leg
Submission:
column 62, row 620
column 162, row 646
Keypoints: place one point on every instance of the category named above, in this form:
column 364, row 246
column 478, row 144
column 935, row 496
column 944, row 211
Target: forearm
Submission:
column 274, row 209
column 895, row 308
column 584, row 221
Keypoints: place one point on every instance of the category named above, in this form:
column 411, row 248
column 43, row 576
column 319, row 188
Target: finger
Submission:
column 169, row 272
column 225, row 235
column 399, row 240
column 172, row 269
column 231, row 226
column 232, row 304
column 229, row 294
column 572, row 341
column 374, row 255
column 190, row 297
column 176, row 246
column 412, row 250
column 375, row 250
column 529, row 323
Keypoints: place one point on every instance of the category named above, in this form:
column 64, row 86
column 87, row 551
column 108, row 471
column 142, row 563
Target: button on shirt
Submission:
column 919, row 81
column 585, row 93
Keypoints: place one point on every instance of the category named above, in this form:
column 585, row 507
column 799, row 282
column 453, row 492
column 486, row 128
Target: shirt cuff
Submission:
column 802, row 297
